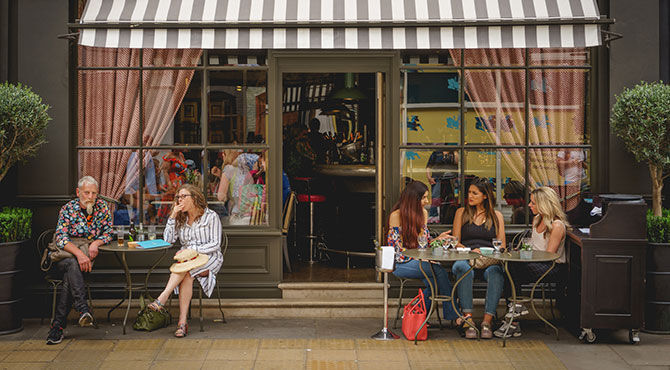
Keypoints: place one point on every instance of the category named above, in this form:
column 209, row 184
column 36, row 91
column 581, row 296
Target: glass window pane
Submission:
column 109, row 108
column 237, row 107
column 505, row 169
column 494, row 57
column 109, row 168
column 224, row 58
column 237, row 186
column 172, row 108
column 444, row 58
column 558, row 106
column 432, row 109
column 439, row 170
column 567, row 171
column 559, row 57
column 494, row 108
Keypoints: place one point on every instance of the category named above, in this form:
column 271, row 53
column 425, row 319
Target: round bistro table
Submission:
column 426, row 254
column 515, row 256
column 120, row 254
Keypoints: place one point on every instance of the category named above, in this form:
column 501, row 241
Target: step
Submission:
column 331, row 291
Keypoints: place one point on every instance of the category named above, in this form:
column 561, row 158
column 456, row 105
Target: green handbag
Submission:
column 148, row 319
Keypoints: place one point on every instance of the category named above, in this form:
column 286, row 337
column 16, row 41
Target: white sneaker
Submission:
column 519, row 310
column 513, row 331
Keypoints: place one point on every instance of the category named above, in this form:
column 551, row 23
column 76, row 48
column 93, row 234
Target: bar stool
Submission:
column 311, row 199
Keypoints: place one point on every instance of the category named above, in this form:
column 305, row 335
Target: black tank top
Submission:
column 476, row 236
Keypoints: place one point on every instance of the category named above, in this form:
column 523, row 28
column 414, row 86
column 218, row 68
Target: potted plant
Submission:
column 657, row 308
column 23, row 122
column 526, row 250
column 15, row 230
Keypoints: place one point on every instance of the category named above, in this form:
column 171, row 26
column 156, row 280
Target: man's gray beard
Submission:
column 89, row 208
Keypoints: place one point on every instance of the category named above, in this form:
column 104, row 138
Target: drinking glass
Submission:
column 120, row 236
column 497, row 244
column 152, row 232
column 423, row 240
column 453, row 241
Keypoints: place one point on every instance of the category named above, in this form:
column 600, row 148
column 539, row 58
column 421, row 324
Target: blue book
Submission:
column 147, row 244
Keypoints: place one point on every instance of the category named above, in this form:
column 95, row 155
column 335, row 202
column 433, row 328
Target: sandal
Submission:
column 182, row 331
column 486, row 333
column 156, row 305
column 465, row 324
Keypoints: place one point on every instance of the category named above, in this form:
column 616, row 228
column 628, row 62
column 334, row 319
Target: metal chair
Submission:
column 42, row 241
column 218, row 289
column 288, row 219
column 403, row 281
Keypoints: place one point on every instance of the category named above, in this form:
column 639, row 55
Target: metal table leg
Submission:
column 146, row 280
column 123, row 299
column 129, row 284
column 532, row 301
column 511, row 282
column 432, row 306
column 453, row 301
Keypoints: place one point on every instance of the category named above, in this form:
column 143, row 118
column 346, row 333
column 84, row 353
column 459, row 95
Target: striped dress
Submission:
column 204, row 236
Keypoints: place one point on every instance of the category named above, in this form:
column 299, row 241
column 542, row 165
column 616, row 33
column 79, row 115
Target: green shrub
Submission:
column 658, row 227
column 23, row 123
column 15, row 224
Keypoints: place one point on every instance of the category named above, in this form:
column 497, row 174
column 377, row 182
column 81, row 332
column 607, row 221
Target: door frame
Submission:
column 319, row 61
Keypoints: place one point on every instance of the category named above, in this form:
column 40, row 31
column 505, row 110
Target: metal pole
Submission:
column 385, row 333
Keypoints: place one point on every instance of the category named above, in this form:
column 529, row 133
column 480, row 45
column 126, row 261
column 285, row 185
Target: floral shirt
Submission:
column 394, row 239
column 74, row 223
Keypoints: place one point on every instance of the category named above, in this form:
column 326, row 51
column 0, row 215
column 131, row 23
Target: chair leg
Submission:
column 200, row 299
column 287, row 260
column 397, row 313
column 218, row 295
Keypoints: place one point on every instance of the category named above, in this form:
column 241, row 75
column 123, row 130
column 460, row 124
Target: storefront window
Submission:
column 519, row 112
column 153, row 107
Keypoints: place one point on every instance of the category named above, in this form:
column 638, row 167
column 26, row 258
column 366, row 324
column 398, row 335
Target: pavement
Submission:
column 319, row 344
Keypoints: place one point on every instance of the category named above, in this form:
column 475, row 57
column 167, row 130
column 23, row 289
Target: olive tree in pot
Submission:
column 23, row 122
column 641, row 118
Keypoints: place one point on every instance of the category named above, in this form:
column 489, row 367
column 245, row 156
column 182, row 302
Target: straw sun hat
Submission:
column 188, row 259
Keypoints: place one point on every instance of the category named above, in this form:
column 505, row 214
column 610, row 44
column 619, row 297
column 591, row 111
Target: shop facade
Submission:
column 185, row 84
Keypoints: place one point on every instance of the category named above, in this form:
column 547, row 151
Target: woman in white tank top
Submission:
column 549, row 229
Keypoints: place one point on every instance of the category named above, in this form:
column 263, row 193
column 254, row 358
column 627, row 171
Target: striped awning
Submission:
column 340, row 24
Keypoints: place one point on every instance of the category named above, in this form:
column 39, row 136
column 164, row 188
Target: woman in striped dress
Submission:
column 197, row 227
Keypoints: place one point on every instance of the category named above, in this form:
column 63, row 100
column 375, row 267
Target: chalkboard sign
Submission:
column 429, row 87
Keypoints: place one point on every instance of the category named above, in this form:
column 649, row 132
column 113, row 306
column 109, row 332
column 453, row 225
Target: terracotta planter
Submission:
column 11, row 319
column 657, row 305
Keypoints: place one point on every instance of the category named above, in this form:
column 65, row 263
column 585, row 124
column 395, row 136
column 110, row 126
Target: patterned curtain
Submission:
column 109, row 108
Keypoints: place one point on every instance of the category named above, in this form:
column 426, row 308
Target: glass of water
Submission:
column 151, row 235
column 497, row 244
column 423, row 240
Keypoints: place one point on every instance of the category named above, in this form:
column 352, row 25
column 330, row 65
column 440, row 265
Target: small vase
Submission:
column 526, row 255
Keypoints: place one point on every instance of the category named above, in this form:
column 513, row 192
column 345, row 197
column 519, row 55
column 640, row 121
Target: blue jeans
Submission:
column 411, row 270
column 495, row 282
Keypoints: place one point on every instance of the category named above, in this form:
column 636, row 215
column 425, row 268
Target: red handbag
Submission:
column 413, row 316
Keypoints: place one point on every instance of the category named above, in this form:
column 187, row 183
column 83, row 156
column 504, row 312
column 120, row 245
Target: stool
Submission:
column 311, row 199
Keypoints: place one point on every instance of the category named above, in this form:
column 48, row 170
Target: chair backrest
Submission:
column 224, row 241
column 516, row 240
column 289, row 208
column 43, row 240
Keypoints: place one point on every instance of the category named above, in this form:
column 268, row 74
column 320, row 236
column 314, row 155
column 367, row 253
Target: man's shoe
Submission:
column 86, row 319
column 55, row 335
column 519, row 310
column 514, row 330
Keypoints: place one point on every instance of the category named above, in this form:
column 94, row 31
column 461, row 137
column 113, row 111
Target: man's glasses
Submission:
column 180, row 197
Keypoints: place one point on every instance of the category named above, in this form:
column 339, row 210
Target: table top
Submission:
column 426, row 254
column 515, row 256
column 114, row 247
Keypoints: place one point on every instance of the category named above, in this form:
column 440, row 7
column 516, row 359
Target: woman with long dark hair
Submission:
column 476, row 225
column 408, row 230
column 199, row 228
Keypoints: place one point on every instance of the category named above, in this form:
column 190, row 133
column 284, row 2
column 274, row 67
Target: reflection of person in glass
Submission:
column 571, row 165
column 514, row 194
column 442, row 174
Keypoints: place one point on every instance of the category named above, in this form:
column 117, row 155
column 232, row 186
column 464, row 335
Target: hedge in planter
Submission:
column 15, row 224
column 657, row 308
column 15, row 230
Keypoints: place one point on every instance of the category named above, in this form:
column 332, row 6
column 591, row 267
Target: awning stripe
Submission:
column 340, row 24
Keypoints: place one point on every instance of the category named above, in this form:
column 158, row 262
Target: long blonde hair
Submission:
column 486, row 188
column 198, row 200
column 548, row 208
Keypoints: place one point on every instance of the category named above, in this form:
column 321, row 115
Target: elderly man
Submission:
column 86, row 218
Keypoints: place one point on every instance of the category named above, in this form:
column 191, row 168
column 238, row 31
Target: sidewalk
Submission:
column 319, row 344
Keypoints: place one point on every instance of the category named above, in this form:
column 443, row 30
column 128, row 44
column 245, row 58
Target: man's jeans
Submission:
column 73, row 290
column 411, row 270
column 495, row 283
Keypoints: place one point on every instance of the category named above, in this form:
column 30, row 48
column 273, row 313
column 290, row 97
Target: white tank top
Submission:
column 539, row 243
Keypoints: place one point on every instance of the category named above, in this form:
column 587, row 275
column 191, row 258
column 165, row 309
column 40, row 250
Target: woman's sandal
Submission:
column 182, row 331
column 463, row 326
column 156, row 305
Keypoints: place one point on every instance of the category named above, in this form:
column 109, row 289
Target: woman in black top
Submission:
column 476, row 225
